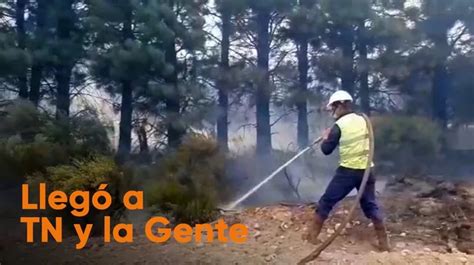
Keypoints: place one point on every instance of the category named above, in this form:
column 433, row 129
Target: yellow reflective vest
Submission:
column 354, row 142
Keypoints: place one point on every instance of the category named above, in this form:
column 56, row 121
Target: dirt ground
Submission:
column 427, row 225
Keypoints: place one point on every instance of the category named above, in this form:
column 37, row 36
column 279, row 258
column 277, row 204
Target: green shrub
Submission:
column 181, row 203
column 82, row 136
column 408, row 144
column 31, row 141
column 86, row 175
column 21, row 118
column 20, row 158
column 189, row 181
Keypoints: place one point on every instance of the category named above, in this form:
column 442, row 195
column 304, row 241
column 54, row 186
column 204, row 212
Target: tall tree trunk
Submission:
column 440, row 93
column 35, row 82
column 175, row 130
column 301, row 102
column 364, row 71
column 126, row 111
column 143, row 141
column 364, row 82
column 63, row 69
column 126, row 108
column 21, row 38
column 264, row 139
column 441, row 82
column 347, row 78
column 37, row 67
column 63, row 101
column 223, row 85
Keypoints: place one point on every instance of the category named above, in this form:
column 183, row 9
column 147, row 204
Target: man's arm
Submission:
column 328, row 145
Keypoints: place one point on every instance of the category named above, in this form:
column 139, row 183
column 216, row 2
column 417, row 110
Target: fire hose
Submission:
column 258, row 186
column 315, row 254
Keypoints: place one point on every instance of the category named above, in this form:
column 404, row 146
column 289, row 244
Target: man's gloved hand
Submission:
column 326, row 133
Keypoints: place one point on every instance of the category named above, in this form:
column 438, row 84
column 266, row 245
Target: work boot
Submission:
column 382, row 236
column 314, row 230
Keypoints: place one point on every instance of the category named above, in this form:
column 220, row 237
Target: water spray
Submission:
column 271, row 176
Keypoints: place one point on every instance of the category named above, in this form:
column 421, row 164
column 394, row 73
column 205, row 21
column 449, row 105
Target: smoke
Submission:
column 303, row 181
column 312, row 172
column 242, row 127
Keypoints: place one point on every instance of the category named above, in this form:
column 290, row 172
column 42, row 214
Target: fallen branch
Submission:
column 293, row 187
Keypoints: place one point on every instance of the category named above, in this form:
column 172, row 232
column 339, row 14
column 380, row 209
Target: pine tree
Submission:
column 228, row 10
column 304, row 28
column 434, row 20
column 266, row 16
column 126, row 54
column 380, row 29
column 462, row 95
column 39, row 48
column 14, row 58
column 342, row 18
column 357, row 30
column 184, row 19
column 21, row 6
column 225, row 10
column 67, row 49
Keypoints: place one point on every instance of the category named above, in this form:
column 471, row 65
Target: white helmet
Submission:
column 339, row 95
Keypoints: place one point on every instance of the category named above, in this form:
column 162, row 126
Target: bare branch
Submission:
column 77, row 91
column 243, row 126
column 281, row 117
column 215, row 14
column 275, row 24
column 208, row 82
column 106, row 100
column 75, row 115
column 458, row 37
column 294, row 187
column 282, row 58
column 48, row 83
column 242, row 55
column 251, row 39
column 6, row 87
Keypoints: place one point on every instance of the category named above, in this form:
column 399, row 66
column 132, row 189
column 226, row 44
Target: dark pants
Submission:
column 342, row 184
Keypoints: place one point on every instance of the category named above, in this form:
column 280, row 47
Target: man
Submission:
column 350, row 133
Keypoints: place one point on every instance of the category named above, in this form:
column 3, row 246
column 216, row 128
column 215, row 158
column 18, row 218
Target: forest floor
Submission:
column 428, row 222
